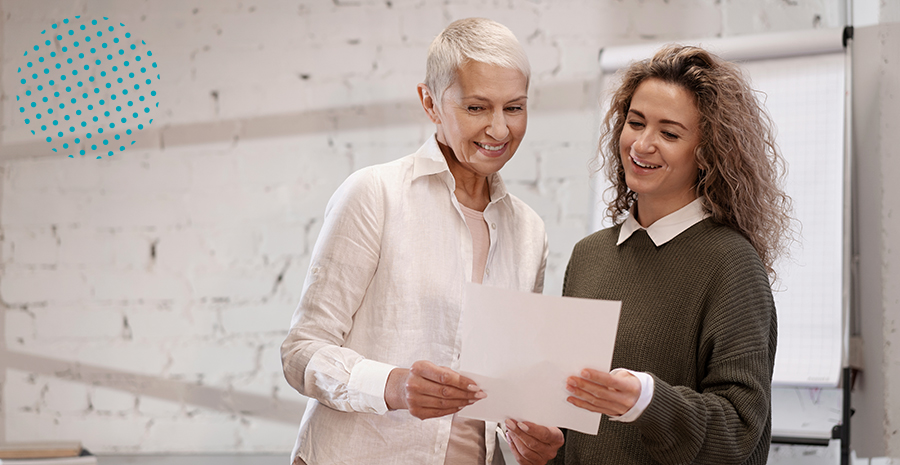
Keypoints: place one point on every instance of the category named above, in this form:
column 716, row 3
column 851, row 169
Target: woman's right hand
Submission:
column 430, row 391
column 611, row 394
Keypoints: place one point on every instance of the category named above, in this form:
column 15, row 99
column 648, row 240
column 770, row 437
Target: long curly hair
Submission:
column 741, row 169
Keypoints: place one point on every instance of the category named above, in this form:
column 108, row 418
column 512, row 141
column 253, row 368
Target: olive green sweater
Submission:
column 698, row 315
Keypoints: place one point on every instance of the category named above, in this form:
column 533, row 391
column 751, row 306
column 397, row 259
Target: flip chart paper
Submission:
column 520, row 347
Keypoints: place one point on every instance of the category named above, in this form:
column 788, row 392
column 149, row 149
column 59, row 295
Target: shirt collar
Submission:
column 430, row 161
column 668, row 227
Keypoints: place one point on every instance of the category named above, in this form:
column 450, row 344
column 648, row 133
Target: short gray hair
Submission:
column 471, row 39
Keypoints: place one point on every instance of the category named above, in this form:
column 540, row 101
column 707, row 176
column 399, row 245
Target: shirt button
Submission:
column 493, row 225
column 487, row 272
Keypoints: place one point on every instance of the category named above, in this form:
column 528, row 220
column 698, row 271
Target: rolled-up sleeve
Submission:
column 342, row 264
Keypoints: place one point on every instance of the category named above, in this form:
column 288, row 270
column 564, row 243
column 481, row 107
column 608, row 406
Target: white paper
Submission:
column 520, row 347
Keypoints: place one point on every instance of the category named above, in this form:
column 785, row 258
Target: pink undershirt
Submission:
column 467, row 435
column 481, row 241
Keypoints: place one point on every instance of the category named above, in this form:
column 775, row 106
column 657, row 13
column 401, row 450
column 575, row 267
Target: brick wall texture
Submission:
column 145, row 295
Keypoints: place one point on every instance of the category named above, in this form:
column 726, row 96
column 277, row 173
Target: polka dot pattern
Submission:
column 92, row 75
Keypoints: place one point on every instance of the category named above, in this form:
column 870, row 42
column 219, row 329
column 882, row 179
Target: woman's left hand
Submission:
column 533, row 444
column 612, row 394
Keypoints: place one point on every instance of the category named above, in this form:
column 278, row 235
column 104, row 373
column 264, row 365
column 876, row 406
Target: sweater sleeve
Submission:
column 342, row 265
column 724, row 419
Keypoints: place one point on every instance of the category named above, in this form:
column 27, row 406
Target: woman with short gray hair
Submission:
column 375, row 341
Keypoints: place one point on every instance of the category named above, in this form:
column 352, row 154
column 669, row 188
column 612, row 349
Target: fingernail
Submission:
column 510, row 424
column 585, row 374
column 472, row 401
column 523, row 426
column 507, row 438
column 571, row 382
column 570, row 388
column 480, row 395
column 473, row 388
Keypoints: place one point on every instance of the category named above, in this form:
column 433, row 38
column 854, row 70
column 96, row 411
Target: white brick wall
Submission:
column 146, row 295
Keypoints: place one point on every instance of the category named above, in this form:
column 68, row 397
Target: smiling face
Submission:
column 661, row 133
column 481, row 119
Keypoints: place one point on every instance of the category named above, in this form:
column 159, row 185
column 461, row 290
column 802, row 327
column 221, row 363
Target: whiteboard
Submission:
column 804, row 94
column 806, row 413
column 805, row 97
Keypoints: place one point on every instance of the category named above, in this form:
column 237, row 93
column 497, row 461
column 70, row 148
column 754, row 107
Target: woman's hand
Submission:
column 533, row 444
column 430, row 391
column 608, row 393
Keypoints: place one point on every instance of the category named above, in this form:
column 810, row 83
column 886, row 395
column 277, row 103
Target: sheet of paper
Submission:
column 520, row 347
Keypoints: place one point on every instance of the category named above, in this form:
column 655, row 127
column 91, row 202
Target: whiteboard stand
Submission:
column 848, row 373
column 842, row 431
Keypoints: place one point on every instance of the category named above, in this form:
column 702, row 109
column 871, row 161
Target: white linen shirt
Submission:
column 384, row 289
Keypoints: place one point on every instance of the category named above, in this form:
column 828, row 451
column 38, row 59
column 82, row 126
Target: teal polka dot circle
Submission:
column 84, row 72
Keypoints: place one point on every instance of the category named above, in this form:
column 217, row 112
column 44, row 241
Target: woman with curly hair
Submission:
column 699, row 219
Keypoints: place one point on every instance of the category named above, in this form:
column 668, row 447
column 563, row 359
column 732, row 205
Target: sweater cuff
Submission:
column 643, row 400
column 666, row 419
column 367, row 380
